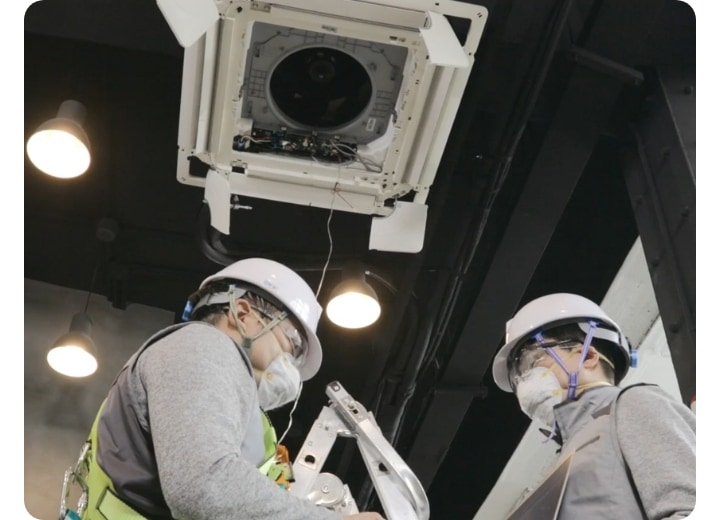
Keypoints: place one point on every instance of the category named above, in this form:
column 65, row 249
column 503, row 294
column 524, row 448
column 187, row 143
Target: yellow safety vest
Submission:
column 103, row 503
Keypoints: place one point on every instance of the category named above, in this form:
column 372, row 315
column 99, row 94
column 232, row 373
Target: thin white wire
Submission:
column 291, row 414
column 322, row 277
column 327, row 261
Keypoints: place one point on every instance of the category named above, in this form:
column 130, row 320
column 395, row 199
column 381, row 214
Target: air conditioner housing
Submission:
column 341, row 104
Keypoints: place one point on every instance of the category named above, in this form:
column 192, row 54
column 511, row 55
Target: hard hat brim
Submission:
column 313, row 359
column 500, row 368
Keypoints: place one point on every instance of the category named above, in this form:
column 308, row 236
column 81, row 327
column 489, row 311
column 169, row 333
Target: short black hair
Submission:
column 209, row 313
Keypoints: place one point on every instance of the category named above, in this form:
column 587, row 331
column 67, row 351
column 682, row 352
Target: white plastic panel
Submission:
column 402, row 231
column 442, row 45
column 188, row 19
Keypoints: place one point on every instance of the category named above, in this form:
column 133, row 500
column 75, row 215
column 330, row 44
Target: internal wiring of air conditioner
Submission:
column 279, row 144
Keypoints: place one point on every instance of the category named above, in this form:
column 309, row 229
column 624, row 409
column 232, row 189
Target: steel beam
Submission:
column 660, row 178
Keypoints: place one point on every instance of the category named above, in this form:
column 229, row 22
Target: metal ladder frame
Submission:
column 400, row 491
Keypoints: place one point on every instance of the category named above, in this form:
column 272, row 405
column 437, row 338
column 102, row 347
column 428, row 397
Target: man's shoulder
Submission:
column 183, row 340
column 648, row 399
column 643, row 391
column 189, row 329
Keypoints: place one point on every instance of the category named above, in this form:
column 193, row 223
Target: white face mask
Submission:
column 538, row 391
column 279, row 383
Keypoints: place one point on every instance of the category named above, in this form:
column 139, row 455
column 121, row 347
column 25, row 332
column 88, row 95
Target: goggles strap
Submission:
column 540, row 339
column 572, row 376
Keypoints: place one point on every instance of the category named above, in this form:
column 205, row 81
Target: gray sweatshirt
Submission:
column 179, row 415
column 634, row 455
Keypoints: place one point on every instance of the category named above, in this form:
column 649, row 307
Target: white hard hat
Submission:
column 554, row 310
column 288, row 288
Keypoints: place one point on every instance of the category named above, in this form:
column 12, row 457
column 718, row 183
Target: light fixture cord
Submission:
column 330, row 239
column 92, row 284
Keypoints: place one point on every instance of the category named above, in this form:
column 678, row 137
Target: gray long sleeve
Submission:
column 199, row 396
column 657, row 437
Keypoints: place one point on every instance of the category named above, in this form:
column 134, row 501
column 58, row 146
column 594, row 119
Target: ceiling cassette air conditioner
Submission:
column 343, row 104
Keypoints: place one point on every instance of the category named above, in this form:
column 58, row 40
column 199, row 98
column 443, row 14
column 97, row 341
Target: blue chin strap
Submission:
column 572, row 376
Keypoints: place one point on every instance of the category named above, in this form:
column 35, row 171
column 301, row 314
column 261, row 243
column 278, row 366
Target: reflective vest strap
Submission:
column 270, row 441
column 112, row 508
column 103, row 503
column 277, row 465
column 269, row 436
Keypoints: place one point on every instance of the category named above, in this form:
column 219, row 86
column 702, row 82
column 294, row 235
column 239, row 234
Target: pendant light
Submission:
column 60, row 147
column 74, row 353
column 353, row 303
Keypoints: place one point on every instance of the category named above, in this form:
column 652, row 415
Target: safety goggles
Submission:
column 292, row 332
column 529, row 355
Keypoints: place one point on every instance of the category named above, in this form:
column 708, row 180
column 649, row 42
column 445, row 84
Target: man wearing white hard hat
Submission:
column 183, row 432
column 631, row 450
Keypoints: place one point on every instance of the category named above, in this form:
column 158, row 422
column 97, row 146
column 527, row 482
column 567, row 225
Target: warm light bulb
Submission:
column 353, row 310
column 58, row 153
column 72, row 360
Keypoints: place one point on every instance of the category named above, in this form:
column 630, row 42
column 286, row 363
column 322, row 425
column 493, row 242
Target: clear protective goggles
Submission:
column 528, row 356
column 298, row 341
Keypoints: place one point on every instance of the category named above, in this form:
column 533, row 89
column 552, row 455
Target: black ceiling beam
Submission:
column 581, row 117
column 660, row 177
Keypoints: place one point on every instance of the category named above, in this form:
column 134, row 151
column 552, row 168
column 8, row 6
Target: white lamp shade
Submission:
column 353, row 309
column 73, row 354
column 60, row 147
column 72, row 361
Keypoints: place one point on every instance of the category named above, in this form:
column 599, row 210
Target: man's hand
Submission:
column 364, row 516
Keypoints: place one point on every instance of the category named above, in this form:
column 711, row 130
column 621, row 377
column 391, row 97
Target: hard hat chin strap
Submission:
column 572, row 376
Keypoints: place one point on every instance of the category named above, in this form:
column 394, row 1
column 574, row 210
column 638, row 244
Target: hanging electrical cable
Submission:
column 330, row 240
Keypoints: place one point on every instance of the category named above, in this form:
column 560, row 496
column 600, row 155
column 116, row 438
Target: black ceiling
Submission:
column 529, row 198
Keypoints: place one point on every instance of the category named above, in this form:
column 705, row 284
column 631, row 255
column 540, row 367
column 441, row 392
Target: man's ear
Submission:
column 592, row 359
column 243, row 309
